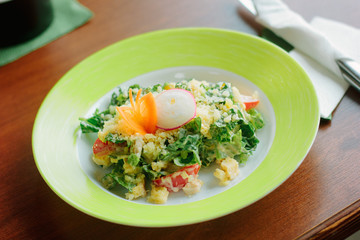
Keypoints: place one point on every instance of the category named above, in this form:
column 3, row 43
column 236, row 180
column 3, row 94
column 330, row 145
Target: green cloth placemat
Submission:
column 68, row 15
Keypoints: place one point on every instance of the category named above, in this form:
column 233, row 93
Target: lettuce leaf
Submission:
column 235, row 139
column 185, row 151
column 94, row 123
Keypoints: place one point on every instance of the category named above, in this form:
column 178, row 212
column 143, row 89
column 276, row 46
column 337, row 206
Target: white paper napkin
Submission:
column 317, row 45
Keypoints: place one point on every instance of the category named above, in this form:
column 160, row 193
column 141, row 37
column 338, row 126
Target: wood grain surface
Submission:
column 316, row 196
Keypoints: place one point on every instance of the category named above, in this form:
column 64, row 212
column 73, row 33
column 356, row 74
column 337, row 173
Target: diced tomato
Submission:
column 249, row 102
column 100, row 148
column 177, row 180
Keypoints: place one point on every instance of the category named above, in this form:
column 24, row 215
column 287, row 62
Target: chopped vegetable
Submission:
column 177, row 180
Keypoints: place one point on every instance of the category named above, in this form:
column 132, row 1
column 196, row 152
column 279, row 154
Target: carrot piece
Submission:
column 131, row 98
column 129, row 121
column 137, row 105
column 141, row 116
column 138, row 95
column 148, row 112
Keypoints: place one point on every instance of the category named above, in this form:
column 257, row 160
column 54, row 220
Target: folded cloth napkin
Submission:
column 68, row 15
column 316, row 47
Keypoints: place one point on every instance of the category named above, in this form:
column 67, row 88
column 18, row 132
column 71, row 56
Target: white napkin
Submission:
column 317, row 45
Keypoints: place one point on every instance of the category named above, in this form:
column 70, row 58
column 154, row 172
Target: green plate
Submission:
column 287, row 96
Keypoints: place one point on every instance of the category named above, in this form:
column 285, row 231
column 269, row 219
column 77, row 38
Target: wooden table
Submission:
column 321, row 199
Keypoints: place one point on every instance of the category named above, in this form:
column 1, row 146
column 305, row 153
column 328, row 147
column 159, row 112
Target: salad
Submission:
column 163, row 135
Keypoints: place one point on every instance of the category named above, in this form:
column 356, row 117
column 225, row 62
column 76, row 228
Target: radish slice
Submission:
column 175, row 107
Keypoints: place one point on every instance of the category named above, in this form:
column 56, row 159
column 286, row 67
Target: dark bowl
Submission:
column 21, row 20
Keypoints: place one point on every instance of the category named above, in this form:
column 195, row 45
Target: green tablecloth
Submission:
column 68, row 15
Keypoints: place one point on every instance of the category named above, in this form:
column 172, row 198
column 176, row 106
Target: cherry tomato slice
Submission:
column 100, row 148
column 249, row 102
column 177, row 180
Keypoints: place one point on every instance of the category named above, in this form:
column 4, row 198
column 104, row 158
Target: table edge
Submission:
column 339, row 226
